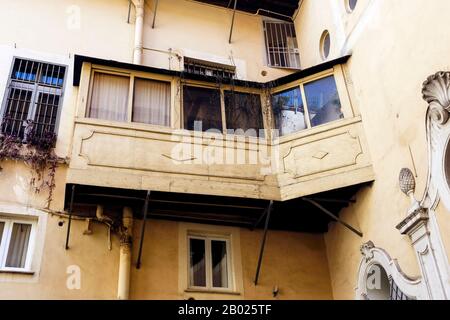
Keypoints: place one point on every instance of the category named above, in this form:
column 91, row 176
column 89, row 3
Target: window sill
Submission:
column 207, row 291
column 24, row 272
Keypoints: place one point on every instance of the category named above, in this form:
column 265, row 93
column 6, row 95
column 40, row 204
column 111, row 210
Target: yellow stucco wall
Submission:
column 391, row 58
column 301, row 276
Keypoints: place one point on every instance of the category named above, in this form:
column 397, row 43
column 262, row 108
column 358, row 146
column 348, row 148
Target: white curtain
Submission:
column 109, row 99
column 18, row 246
column 151, row 102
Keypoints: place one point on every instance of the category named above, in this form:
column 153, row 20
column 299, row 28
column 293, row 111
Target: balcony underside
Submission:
column 295, row 215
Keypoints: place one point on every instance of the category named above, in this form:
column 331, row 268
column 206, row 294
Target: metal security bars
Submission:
column 281, row 44
column 395, row 293
column 207, row 68
column 33, row 98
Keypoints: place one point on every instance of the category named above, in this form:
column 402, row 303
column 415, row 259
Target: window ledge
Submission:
column 24, row 272
column 206, row 291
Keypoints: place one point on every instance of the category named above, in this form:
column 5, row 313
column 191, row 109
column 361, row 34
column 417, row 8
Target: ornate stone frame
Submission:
column 412, row 287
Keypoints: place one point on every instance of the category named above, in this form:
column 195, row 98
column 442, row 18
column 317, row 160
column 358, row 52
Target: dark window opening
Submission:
column 281, row 45
column 202, row 109
column 244, row 114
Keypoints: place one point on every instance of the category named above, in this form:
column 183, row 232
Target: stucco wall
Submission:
column 390, row 60
column 301, row 276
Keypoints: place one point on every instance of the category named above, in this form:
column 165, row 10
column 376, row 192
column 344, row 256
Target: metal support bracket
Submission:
column 144, row 220
column 154, row 13
column 232, row 21
column 70, row 216
column 333, row 216
column 263, row 243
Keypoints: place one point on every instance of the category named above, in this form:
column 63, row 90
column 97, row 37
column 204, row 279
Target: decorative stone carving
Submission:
column 366, row 250
column 436, row 91
column 407, row 181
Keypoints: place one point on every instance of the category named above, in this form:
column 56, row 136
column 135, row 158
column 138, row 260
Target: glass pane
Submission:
column 109, row 98
column 243, row 113
column 323, row 101
column 289, row 111
column 18, row 246
column 219, row 264
column 2, row 227
column 46, row 113
column 197, row 263
column 201, row 108
column 25, row 70
column 151, row 102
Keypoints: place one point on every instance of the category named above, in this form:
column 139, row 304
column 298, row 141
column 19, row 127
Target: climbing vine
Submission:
column 36, row 151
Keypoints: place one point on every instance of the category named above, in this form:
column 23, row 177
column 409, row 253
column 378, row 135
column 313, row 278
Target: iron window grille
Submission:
column 207, row 68
column 395, row 292
column 33, row 98
column 281, row 44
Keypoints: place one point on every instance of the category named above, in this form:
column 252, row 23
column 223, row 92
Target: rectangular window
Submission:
column 15, row 244
column 151, row 102
column 109, row 98
column 202, row 109
column 243, row 114
column 33, row 98
column 320, row 102
column 323, row 101
column 281, row 44
column 209, row 263
column 289, row 111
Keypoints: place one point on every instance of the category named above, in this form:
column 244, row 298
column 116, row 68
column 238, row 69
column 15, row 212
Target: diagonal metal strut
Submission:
column 144, row 220
column 263, row 244
column 333, row 216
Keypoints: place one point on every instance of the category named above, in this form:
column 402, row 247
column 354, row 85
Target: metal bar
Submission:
column 232, row 21
column 129, row 11
column 260, row 218
column 144, row 219
column 333, row 200
column 154, row 14
column 70, row 216
column 359, row 233
column 263, row 244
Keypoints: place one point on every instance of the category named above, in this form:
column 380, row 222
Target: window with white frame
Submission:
column 281, row 44
column 16, row 244
column 112, row 94
column 209, row 263
column 33, row 97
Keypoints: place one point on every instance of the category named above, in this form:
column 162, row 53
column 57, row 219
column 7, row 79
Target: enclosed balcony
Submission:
column 206, row 133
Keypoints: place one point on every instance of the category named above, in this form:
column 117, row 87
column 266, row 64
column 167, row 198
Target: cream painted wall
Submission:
column 391, row 57
column 301, row 276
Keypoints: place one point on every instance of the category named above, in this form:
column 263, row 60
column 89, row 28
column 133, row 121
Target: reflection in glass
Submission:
column 219, row 264
column 201, row 106
column 323, row 101
column 243, row 113
column 2, row 227
column 289, row 111
column 197, row 263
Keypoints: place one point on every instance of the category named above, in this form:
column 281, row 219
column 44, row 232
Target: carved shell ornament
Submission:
column 366, row 250
column 436, row 91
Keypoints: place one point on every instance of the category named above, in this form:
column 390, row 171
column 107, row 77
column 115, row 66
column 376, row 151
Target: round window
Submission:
column 325, row 44
column 351, row 5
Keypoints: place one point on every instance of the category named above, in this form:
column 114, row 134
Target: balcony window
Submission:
column 243, row 113
column 126, row 98
column 289, row 111
column 109, row 100
column 202, row 109
column 33, row 96
column 320, row 104
column 151, row 102
column 323, row 101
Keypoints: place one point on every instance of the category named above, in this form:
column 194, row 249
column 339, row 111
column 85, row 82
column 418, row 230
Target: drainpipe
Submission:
column 138, row 31
column 123, row 287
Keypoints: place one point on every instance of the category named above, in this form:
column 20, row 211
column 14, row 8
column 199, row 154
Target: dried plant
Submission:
column 35, row 150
